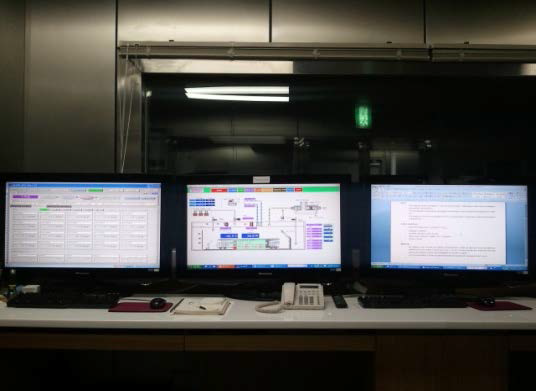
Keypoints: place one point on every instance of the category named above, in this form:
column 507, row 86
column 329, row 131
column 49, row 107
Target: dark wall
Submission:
column 58, row 58
column 70, row 86
column 12, row 26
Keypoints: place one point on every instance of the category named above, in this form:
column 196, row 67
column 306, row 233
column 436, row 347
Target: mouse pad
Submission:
column 138, row 307
column 499, row 306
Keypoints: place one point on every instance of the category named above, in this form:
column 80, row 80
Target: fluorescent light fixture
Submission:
column 248, row 140
column 267, row 90
column 247, row 98
column 240, row 93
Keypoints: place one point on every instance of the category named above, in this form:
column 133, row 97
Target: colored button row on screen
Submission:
column 263, row 266
column 254, row 189
column 328, row 233
column 264, row 189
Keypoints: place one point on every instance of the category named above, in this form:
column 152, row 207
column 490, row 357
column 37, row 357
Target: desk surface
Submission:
column 242, row 315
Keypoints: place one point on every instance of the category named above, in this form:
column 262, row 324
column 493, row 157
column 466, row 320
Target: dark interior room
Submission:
column 268, row 194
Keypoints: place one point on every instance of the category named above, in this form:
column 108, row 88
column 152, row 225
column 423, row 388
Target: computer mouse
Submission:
column 487, row 301
column 157, row 303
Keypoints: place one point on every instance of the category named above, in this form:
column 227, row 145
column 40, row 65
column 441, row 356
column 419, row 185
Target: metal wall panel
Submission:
column 498, row 22
column 348, row 21
column 12, row 14
column 70, row 86
column 195, row 21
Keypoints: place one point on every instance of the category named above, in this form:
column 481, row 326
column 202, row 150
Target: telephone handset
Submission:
column 296, row 297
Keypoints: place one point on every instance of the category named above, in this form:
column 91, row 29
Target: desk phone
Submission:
column 302, row 296
column 296, row 297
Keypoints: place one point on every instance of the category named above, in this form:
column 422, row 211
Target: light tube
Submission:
column 246, row 98
column 231, row 90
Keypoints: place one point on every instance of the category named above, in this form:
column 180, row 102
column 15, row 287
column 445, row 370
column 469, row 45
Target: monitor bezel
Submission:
column 451, row 277
column 64, row 273
column 287, row 274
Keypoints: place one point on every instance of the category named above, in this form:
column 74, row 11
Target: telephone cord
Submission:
column 262, row 307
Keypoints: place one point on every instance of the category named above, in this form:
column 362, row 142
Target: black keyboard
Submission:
column 401, row 301
column 64, row 300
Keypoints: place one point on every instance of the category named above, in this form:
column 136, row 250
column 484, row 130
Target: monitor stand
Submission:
column 406, row 287
column 255, row 294
column 256, row 290
column 239, row 289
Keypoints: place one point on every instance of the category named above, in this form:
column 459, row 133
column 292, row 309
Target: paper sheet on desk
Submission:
column 202, row 306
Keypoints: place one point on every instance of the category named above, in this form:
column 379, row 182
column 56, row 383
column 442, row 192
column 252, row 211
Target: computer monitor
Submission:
column 263, row 228
column 449, row 228
column 82, row 225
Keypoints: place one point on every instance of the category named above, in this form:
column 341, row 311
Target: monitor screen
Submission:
column 82, row 225
column 264, row 226
column 449, row 227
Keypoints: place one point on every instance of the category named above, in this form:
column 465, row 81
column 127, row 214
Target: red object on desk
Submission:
column 499, row 306
column 138, row 307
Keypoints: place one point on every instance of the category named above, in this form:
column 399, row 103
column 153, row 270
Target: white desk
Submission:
column 417, row 349
column 241, row 315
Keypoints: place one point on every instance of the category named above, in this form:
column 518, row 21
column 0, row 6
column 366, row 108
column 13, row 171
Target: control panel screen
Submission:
column 82, row 225
column 263, row 226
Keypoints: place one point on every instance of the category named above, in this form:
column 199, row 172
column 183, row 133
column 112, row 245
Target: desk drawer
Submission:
column 279, row 343
column 91, row 341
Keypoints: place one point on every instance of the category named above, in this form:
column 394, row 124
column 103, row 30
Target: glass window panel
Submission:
column 436, row 127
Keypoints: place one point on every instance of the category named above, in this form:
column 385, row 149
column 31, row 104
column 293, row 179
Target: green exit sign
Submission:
column 363, row 117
